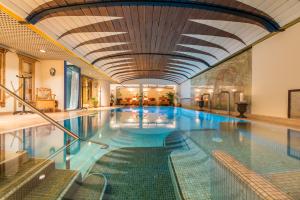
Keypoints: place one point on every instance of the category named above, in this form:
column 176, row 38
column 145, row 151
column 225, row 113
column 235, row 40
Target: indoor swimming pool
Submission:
column 160, row 153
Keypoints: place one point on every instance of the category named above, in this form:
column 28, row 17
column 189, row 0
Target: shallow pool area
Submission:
column 167, row 153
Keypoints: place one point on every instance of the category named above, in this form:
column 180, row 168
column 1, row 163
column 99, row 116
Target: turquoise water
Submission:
column 164, row 152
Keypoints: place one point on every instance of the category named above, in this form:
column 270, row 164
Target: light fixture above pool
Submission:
column 42, row 51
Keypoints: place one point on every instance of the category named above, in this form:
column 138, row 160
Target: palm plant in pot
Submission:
column 95, row 102
column 170, row 96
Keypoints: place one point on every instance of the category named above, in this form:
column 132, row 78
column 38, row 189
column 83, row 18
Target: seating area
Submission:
column 154, row 95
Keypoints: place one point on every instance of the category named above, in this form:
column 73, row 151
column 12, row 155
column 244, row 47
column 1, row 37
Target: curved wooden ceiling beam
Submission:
column 99, row 27
column 118, row 62
column 135, row 78
column 120, row 65
column 250, row 13
column 112, row 48
column 159, row 54
column 111, row 39
column 183, row 63
column 179, row 70
column 194, row 41
column 151, row 74
column 174, row 79
column 151, row 71
column 184, row 48
column 203, row 29
column 132, row 68
column 180, row 67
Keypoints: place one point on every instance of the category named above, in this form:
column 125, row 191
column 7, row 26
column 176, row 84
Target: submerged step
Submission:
column 144, row 175
column 20, row 183
column 91, row 188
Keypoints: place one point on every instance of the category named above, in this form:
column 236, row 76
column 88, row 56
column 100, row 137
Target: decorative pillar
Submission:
column 141, row 95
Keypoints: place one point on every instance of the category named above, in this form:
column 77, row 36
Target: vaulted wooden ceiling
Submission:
column 172, row 40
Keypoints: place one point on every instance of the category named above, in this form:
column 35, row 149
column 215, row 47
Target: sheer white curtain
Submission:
column 74, row 91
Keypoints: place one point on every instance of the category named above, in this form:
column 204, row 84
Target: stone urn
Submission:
column 242, row 109
column 201, row 104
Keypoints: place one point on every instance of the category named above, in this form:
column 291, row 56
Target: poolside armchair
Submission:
column 145, row 101
column 152, row 102
column 44, row 99
column 125, row 102
column 163, row 101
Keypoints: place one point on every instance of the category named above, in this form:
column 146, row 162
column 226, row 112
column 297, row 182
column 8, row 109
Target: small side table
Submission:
column 242, row 109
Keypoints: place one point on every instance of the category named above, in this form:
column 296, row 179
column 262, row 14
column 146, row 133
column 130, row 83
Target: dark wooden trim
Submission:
column 141, row 77
column 182, row 63
column 159, row 54
column 179, row 67
column 290, row 100
column 137, row 78
column 134, row 68
column 176, row 77
column 118, row 66
column 156, row 71
column 266, row 21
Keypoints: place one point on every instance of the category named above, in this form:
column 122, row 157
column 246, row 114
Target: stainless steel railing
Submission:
column 49, row 119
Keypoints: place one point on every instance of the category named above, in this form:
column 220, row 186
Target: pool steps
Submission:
column 35, row 179
column 18, row 185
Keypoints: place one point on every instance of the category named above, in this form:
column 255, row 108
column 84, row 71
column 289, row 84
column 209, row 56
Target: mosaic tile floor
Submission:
column 91, row 188
column 192, row 168
column 137, row 173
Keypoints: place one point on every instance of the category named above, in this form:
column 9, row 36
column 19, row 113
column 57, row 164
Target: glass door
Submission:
column 72, row 87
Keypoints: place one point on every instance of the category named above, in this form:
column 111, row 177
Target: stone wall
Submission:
column 233, row 76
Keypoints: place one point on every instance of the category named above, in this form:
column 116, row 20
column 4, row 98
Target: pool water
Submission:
column 166, row 153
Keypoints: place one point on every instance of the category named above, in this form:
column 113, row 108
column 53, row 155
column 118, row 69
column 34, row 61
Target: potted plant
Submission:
column 95, row 102
column 112, row 100
column 170, row 96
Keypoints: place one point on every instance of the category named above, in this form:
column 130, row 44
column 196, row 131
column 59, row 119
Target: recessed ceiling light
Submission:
column 42, row 51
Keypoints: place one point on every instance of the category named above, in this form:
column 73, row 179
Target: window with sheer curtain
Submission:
column 2, row 76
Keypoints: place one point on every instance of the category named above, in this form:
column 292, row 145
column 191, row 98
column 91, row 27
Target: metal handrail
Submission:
column 49, row 119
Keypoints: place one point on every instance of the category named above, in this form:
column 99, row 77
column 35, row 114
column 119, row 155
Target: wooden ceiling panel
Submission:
column 162, row 38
